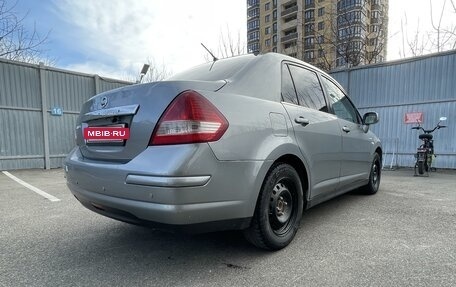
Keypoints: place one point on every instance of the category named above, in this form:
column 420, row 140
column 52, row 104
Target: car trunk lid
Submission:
column 138, row 108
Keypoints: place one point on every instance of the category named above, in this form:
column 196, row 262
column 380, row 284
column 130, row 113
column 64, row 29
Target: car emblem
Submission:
column 104, row 102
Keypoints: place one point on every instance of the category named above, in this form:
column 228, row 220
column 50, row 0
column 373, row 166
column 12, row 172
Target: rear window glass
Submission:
column 288, row 90
column 214, row 71
column 308, row 88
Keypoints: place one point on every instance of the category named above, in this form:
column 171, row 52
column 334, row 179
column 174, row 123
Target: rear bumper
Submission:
column 191, row 190
column 164, row 216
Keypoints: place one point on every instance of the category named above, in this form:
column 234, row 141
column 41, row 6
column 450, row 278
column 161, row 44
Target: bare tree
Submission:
column 440, row 37
column 414, row 43
column 156, row 72
column 445, row 37
column 16, row 42
column 229, row 45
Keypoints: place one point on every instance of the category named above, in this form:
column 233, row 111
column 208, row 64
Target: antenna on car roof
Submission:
column 214, row 58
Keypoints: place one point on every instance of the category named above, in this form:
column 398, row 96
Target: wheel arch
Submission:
column 287, row 153
column 300, row 168
column 379, row 151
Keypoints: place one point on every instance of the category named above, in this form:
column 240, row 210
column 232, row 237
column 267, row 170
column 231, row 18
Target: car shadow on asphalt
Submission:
column 121, row 243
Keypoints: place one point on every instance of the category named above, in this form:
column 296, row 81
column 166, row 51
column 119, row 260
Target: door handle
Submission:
column 302, row 121
column 346, row 129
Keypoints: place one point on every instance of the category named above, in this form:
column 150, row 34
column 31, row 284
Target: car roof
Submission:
column 256, row 76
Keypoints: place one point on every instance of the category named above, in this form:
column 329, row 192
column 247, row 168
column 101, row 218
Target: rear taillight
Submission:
column 190, row 118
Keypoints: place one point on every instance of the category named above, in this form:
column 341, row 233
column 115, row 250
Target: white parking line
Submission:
column 31, row 187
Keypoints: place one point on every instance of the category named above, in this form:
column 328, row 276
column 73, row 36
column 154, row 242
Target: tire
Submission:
column 278, row 211
column 421, row 167
column 428, row 162
column 374, row 177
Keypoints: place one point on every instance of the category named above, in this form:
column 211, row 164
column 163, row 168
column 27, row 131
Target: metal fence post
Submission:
column 96, row 79
column 44, row 113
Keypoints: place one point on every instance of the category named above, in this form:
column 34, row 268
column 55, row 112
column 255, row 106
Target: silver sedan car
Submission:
column 242, row 143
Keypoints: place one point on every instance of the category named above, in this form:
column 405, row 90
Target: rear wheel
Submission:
column 374, row 177
column 421, row 167
column 428, row 162
column 279, row 209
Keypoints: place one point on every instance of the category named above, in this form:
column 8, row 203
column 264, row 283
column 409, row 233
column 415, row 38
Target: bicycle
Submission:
column 425, row 152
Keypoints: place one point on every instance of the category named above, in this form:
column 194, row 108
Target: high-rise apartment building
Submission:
column 325, row 33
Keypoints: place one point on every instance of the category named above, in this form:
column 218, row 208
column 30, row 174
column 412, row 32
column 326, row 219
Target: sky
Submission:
column 115, row 37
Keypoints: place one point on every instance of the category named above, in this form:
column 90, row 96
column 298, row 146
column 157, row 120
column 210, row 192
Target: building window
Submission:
column 289, row 19
column 321, row 11
column 253, row 36
column 274, row 39
column 321, row 53
column 252, row 2
column 274, row 15
column 349, row 17
column 375, row 14
column 308, row 55
column 267, row 18
column 289, row 45
column 321, row 25
column 253, row 12
column 309, row 14
column 308, row 28
column 253, row 24
column 267, row 6
column 290, row 32
column 254, row 47
column 274, row 50
column 345, row 4
column 320, row 39
column 274, row 27
column 309, row 40
column 267, row 30
column 267, row 42
column 309, row 2
column 352, row 31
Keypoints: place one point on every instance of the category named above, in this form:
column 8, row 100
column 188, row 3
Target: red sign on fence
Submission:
column 413, row 118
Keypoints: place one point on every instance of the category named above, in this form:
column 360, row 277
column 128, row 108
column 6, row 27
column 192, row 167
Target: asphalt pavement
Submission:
column 403, row 236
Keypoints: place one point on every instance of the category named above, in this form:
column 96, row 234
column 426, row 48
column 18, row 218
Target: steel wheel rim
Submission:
column 282, row 207
column 375, row 175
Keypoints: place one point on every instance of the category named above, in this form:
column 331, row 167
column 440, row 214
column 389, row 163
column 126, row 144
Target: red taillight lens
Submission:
column 190, row 118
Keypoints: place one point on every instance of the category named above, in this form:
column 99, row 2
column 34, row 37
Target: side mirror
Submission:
column 370, row 118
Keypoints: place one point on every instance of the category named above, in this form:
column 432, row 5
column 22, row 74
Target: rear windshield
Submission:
column 214, row 71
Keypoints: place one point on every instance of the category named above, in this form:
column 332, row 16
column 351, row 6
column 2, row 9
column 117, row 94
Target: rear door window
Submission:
column 308, row 88
column 288, row 90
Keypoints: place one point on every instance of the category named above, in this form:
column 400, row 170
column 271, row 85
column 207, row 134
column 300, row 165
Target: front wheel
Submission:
column 279, row 209
column 374, row 176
